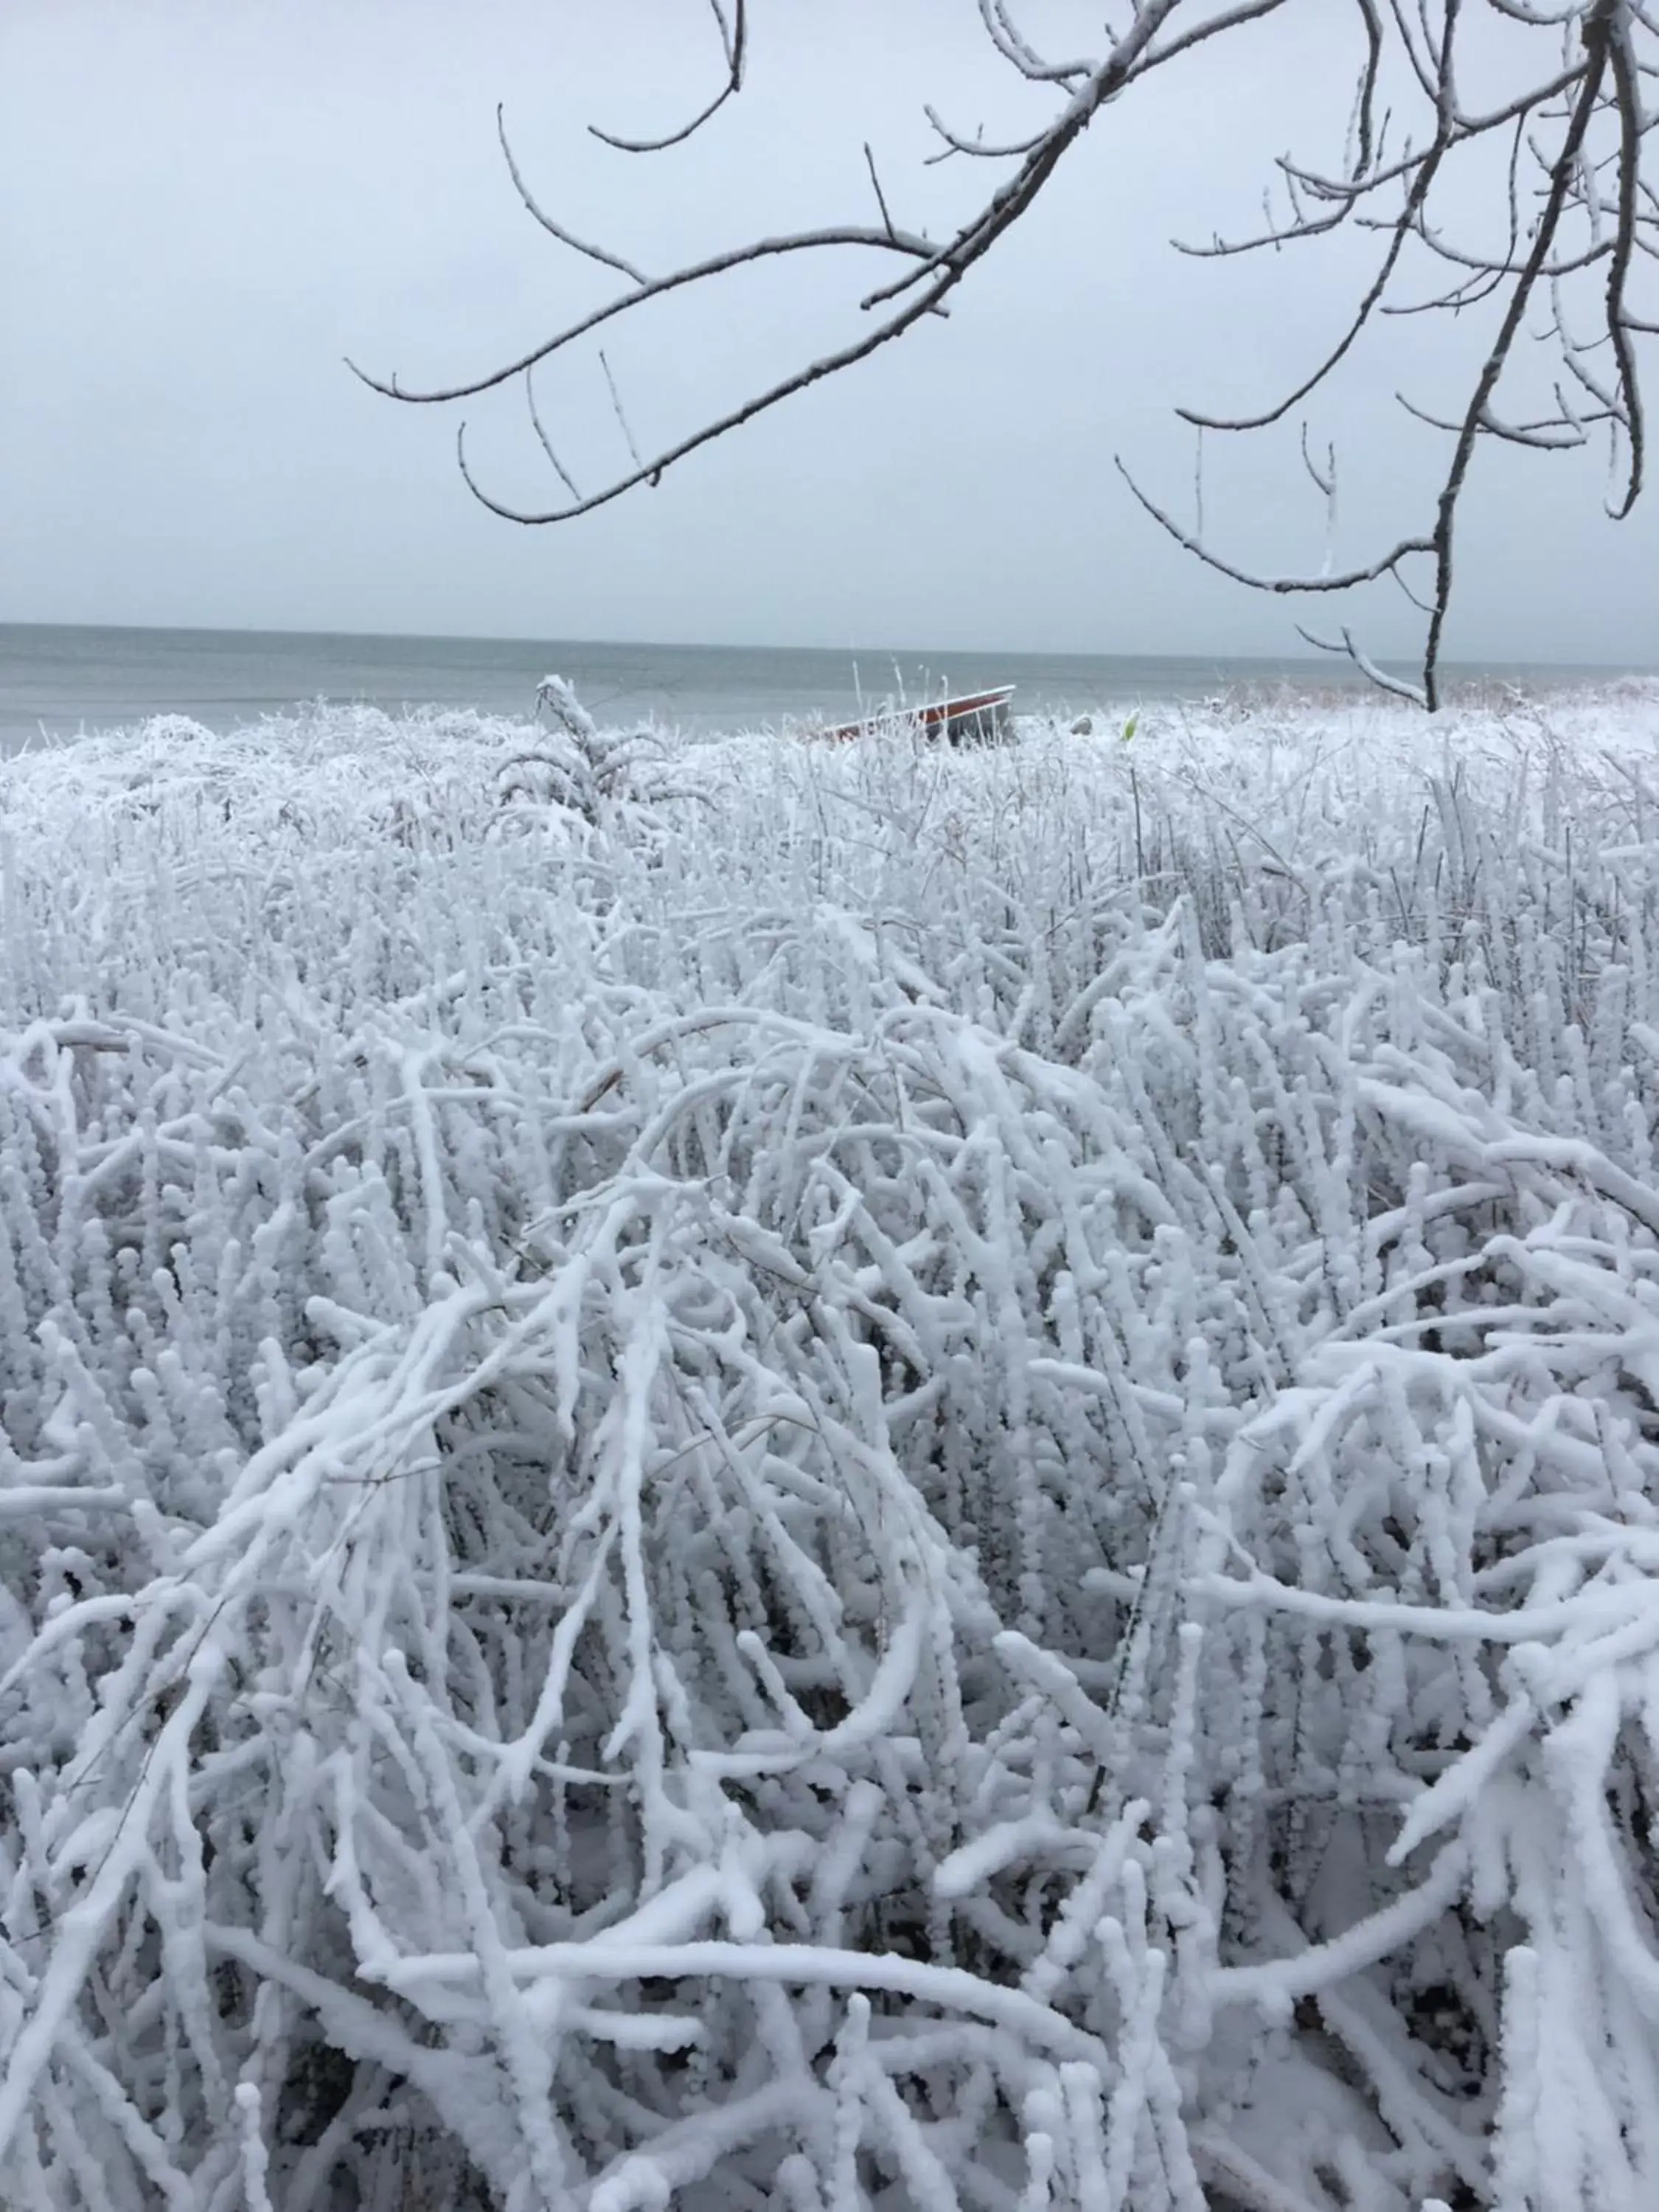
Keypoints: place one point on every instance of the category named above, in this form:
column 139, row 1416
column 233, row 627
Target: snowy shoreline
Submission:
column 757, row 1474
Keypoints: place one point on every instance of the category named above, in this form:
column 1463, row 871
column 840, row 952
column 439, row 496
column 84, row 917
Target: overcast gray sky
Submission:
column 206, row 204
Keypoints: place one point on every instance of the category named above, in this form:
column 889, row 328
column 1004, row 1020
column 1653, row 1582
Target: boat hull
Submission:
column 980, row 718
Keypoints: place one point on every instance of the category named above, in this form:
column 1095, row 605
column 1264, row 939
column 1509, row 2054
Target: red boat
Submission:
column 979, row 719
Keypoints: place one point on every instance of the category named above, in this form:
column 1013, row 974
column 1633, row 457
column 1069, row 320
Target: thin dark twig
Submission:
column 881, row 196
column 956, row 143
column 582, row 246
column 615, row 401
column 559, row 468
column 735, row 39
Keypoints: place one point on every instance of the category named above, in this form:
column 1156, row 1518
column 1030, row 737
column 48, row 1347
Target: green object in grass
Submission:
column 1130, row 727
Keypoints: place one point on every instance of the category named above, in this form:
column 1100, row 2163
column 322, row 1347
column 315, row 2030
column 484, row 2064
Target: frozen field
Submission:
column 832, row 1479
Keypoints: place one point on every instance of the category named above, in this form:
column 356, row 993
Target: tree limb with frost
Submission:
column 1559, row 93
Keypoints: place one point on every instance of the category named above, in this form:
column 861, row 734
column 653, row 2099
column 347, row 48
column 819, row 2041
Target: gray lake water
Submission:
column 56, row 681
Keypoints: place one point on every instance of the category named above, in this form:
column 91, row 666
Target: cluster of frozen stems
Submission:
column 871, row 1480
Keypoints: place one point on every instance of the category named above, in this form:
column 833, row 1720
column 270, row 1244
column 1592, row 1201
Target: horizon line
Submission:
column 726, row 645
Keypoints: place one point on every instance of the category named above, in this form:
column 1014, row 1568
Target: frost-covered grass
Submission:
column 832, row 1479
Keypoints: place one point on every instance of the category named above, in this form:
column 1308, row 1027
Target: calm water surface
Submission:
column 57, row 681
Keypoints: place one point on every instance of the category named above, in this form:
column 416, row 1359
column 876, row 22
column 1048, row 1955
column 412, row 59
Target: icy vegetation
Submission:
column 832, row 1479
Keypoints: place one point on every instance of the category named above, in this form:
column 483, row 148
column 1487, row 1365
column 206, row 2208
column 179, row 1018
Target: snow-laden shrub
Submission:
column 605, row 778
column 934, row 1482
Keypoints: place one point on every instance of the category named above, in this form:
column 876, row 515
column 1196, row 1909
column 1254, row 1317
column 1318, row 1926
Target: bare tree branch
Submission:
column 1421, row 186
column 956, row 143
column 599, row 253
column 1575, row 203
column 941, row 271
column 1014, row 47
column 1621, row 59
column 1595, row 44
column 1346, row 581
column 741, row 257
column 734, row 41
column 1366, row 666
